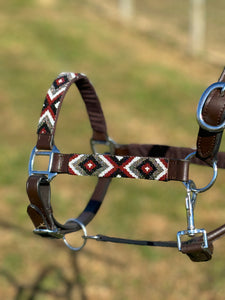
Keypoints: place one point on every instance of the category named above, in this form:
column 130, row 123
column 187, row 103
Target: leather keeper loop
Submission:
column 196, row 253
column 40, row 211
column 45, row 141
column 178, row 170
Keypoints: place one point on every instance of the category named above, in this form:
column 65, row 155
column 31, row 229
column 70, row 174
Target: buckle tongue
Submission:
column 192, row 233
column 55, row 233
column 36, row 152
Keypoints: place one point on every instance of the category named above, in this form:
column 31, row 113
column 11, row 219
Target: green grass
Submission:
column 149, row 92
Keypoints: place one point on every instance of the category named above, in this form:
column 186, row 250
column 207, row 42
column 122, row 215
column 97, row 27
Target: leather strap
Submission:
column 213, row 113
column 53, row 102
column 194, row 250
column 193, row 247
column 154, row 150
column 136, row 167
column 104, row 238
column 41, row 212
column 173, row 158
column 38, row 186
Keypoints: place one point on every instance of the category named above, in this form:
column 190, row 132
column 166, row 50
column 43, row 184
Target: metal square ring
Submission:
column 36, row 152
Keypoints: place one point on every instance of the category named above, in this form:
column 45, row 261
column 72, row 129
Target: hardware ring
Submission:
column 212, row 181
column 85, row 235
column 204, row 97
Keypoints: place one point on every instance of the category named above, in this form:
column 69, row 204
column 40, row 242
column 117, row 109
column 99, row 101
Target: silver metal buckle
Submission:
column 36, row 152
column 109, row 142
column 192, row 233
column 48, row 233
column 204, row 97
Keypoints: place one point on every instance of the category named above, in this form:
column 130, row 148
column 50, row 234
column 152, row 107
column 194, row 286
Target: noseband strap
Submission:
column 137, row 161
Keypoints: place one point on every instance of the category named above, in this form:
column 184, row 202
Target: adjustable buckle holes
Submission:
column 211, row 181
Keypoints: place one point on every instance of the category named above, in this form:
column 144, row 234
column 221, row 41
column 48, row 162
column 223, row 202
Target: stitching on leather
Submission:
column 200, row 140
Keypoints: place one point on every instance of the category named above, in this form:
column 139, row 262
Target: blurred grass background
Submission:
column 149, row 87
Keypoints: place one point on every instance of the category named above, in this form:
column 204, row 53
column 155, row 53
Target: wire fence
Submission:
column 196, row 26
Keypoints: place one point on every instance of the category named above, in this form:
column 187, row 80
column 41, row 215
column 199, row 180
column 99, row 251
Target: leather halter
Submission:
column 137, row 161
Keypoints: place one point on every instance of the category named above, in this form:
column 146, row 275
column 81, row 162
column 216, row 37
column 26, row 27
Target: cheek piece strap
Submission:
column 135, row 161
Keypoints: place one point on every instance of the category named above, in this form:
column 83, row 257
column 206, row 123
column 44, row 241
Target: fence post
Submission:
column 197, row 26
column 126, row 9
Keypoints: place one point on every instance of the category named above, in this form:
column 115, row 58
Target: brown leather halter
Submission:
column 140, row 161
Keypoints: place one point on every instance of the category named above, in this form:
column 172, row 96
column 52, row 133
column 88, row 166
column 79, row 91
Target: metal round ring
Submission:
column 203, row 189
column 204, row 97
column 85, row 235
